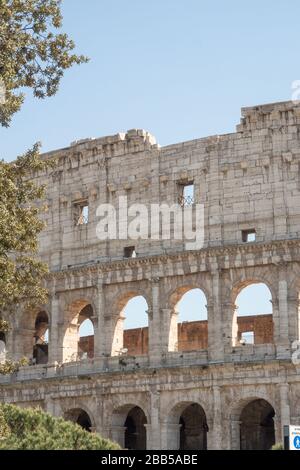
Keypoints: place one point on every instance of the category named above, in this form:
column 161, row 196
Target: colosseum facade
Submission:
column 170, row 386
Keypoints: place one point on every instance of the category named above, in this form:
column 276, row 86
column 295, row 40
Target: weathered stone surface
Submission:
column 246, row 180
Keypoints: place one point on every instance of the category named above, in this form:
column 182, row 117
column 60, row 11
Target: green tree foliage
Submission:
column 21, row 273
column 9, row 367
column 32, row 429
column 4, row 428
column 4, row 326
column 32, row 54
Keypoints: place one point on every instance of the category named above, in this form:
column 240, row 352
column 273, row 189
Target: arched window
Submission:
column 187, row 427
column 131, row 330
column 129, row 424
column 257, row 430
column 253, row 319
column 86, row 339
column 78, row 342
column 41, row 338
column 193, row 428
column 135, row 432
column 2, row 347
column 188, row 323
column 80, row 417
column 135, row 313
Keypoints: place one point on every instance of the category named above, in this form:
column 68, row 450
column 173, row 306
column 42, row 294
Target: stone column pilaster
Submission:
column 154, row 346
column 281, row 321
column 153, row 428
column 118, row 434
column 215, row 434
column 284, row 410
column 214, row 317
column 98, row 321
column 55, row 351
column 170, row 436
column 235, row 426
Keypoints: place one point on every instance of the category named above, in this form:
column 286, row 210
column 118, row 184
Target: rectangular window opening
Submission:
column 129, row 252
column 187, row 194
column 248, row 236
column 81, row 213
column 247, row 337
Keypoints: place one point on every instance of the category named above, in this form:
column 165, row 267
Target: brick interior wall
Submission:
column 261, row 325
column 86, row 344
column 136, row 341
column 191, row 335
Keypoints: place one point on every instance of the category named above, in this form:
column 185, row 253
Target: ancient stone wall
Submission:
column 246, row 180
column 249, row 184
column 192, row 336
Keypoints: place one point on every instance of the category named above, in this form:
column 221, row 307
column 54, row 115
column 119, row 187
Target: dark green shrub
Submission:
column 33, row 429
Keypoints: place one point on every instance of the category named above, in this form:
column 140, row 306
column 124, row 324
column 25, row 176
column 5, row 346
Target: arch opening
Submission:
column 193, row 428
column 78, row 343
column 2, row 347
column 253, row 315
column 86, row 340
column 41, row 339
column 257, row 431
column 188, row 323
column 80, row 417
column 135, row 430
column 131, row 334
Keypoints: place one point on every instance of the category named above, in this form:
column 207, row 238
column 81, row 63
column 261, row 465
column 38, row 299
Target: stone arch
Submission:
column 2, row 347
column 251, row 278
column 237, row 405
column 129, row 423
column 294, row 304
column 27, row 340
column 7, row 348
column 252, row 329
column 242, row 429
column 133, row 341
column 41, row 341
column 257, row 430
column 125, row 294
column 75, row 313
column 187, row 336
column 81, row 416
column 187, row 426
column 175, row 294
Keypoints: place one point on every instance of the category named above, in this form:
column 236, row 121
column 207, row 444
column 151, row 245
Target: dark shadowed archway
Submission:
column 80, row 417
column 41, row 338
column 257, row 430
column 193, row 430
column 187, row 427
column 135, row 432
column 129, row 426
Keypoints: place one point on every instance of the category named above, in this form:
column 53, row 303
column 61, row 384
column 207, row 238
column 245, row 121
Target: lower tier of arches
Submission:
column 226, row 406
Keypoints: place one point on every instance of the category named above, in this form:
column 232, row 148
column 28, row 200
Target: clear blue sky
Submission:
column 178, row 68
column 181, row 69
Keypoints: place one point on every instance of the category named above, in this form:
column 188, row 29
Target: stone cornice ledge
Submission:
column 278, row 248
